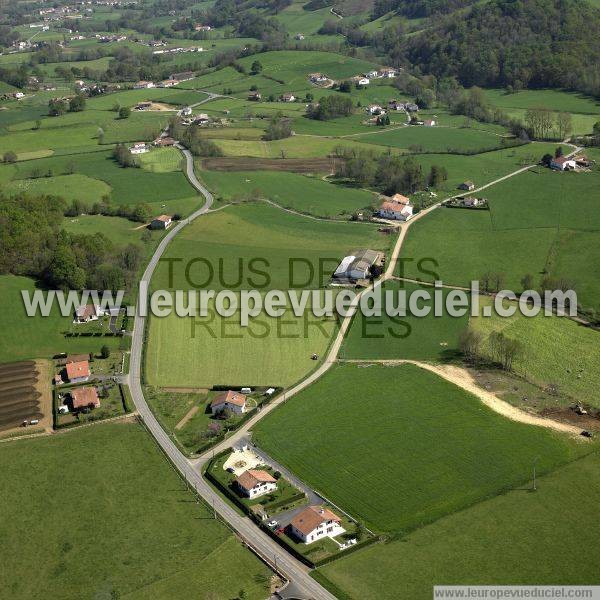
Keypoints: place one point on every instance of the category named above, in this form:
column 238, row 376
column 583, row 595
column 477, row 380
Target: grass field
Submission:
column 37, row 337
column 129, row 541
column 202, row 352
column 429, row 338
column 304, row 194
column 358, row 429
column 585, row 111
column 557, row 352
column 486, row 535
column 70, row 187
column 551, row 215
column 161, row 160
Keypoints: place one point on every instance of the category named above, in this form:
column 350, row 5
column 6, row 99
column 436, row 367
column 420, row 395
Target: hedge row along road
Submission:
column 300, row 584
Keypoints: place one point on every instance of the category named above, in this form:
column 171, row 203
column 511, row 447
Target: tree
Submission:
column 345, row 86
column 564, row 125
column 547, row 160
column 436, row 175
column 558, row 152
column 10, row 157
column 470, row 344
column 256, row 68
column 124, row 112
column 425, row 99
column 331, row 107
column 105, row 351
column 278, row 129
column 57, row 107
column 77, row 103
column 527, row 282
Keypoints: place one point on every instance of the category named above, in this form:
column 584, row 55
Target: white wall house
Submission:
column 315, row 523
column 356, row 265
column 562, row 163
column 255, row 482
column 232, row 401
column 395, row 211
column 138, row 148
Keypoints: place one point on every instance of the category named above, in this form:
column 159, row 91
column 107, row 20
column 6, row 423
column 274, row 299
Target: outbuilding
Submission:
column 356, row 265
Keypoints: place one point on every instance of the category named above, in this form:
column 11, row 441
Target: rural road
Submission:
column 291, row 569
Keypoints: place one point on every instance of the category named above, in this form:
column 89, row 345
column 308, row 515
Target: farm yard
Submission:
column 375, row 424
column 128, row 558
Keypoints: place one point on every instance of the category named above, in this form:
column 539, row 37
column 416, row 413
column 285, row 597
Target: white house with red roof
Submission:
column 397, row 208
column 256, row 482
column 562, row 163
column 78, row 372
column 315, row 523
column 232, row 401
column 161, row 222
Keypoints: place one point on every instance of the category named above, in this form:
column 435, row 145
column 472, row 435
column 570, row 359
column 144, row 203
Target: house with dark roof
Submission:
column 469, row 186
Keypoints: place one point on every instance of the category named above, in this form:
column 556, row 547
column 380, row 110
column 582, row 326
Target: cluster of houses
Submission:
column 320, row 79
column 81, row 399
column 179, row 50
column 396, row 208
column 173, row 79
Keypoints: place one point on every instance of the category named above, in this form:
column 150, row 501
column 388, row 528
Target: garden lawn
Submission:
column 496, row 542
column 398, row 447
column 144, row 534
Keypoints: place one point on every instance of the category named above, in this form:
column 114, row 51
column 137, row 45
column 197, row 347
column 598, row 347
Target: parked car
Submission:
column 272, row 524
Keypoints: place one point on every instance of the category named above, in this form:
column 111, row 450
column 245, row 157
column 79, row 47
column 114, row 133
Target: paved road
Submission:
column 291, row 569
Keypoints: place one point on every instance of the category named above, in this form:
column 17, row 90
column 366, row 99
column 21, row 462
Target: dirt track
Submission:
column 293, row 165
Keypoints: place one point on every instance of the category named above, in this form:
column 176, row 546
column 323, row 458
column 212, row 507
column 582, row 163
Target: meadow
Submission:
column 359, row 428
column 486, row 535
column 125, row 531
column 557, row 353
column 551, row 215
column 411, row 337
column 301, row 193
column 248, row 246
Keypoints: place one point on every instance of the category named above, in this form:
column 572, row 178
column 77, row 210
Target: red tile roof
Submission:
column 252, row 477
column 229, row 397
column 84, row 396
column 310, row 518
column 78, row 369
column 164, row 218
column 400, row 199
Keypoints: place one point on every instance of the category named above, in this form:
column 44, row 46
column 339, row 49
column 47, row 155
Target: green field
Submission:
column 70, row 187
column 38, row 337
column 161, row 160
column 537, row 220
column 412, row 337
column 100, row 526
column 290, row 190
column 496, row 542
column 557, row 352
column 585, row 111
column 358, row 429
column 206, row 351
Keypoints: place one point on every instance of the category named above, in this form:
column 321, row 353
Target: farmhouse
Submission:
column 395, row 210
column 299, row 37
column 161, row 222
column 143, row 85
column 372, row 74
column 88, row 312
column 374, row 109
column 167, row 83
column 84, row 397
column 202, row 119
column 254, row 482
column 315, row 523
column 356, row 265
column 467, row 185
column 254, row 96
column 139, row 148
column 288, row 97
column 411, row 107
column 232, row 401
column 363, row 81
column 186, row 111
column 318, row 78
column 396, row 105
column 78, row 372
column 400, row 199
column 388, row 72
column 582, row 161
column 143, row 106
column 470, row 201
column 429, row 123
column 562, row 163
column 164, row 141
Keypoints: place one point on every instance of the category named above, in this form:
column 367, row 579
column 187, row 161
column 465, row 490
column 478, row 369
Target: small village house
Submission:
column 164, row 141
column 299, row 36
column 395, row 211
column 161, row 222
column 469, row 186
column 315, row 523
column 288, row 97
column 375, row 109
column 388, row 72
column 255, row 482
column 84, row 398
column 183, row 76
column 400, row 199
column 231, row 401
column 254, row 96
column 139, row 148
column 144, row 85
column 363, row 81
column 357, row 265
column 372, row 74
column 470, row 201
column 429, row 123
column 186, row 111
column 202, row 119
column 78, row 372
column 88, row 312
column 562, row 163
